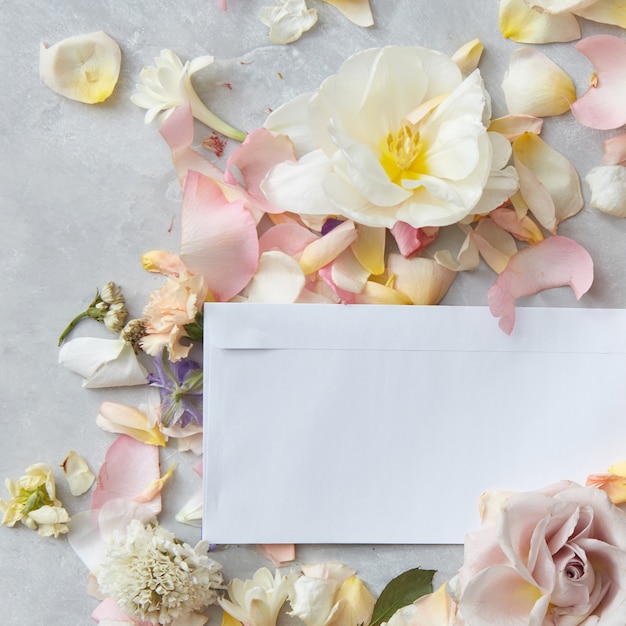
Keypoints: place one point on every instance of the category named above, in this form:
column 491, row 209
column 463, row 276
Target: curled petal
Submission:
column 535, row 85
column 512, row 126
column 127, row 420
column 467, row 258
column 129, row 468
column 278, row 279
column 423, row 280
column 83, row 68
column 358, row 12
column 278, row 553
column 549, row 183
column 522, row 24
column 608, row 189
column 613, row 484
column 162, row 262
column 355, row 603
column 328, row 247
column 411, row 240
column 555, row 7
column 554, row 262
column 103, row 362
column 522, row 228
column 495, row 244
column 615, row 151
column 191, row 513
column 605, row 12
column 288, row 19
column 602, row 105
column 467, row 57
column 77, row 472
column 375, row 293
column 218, row 238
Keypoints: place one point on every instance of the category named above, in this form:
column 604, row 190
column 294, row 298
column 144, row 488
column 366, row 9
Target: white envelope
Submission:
column 383, row 424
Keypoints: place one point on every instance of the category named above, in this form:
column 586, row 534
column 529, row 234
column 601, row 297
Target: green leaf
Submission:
column 195, row 329
column 402, row 591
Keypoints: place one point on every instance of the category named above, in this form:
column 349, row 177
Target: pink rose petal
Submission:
column 128, row 469
column 218, row 238
column 411, row 240
column 278, row 553
column 554, row 262
column 615, row 151
column 602, row 106
column 290, row 238
column 108, row 610
column 261, row 150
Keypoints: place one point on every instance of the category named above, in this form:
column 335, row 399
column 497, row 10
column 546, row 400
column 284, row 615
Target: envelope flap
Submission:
column 238, row 326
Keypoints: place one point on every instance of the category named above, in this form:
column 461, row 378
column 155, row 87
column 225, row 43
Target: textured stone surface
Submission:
column 85, row 190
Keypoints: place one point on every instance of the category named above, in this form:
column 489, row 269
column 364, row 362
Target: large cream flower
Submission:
column 396, row 135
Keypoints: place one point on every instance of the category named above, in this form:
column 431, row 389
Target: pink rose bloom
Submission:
column 168, row 310
column 555, row 557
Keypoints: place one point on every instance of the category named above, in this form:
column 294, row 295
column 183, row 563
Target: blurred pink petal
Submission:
column 221, row 4
column 554, row 262
column 290, row 238
column 108, row 610
column 411, row 240
column 177, row 130
column 253, row 159
column 602, row 105
column 615, row 150
column 278, row 553
column 198, row 467
column 218, row 238
column 129, row 468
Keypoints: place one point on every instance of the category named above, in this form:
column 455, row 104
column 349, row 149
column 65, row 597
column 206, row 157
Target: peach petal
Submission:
column 495, row 245
column 605, row 12
column 218, row 238
column 375, row 293
column 549, row 183
column 423, row 280
column 602, row 105
column 613, row 485
column 554, row 262
column 278, row 553
column 162, row 262
column 512, row 126
column 615, row 150
column 327, row 248
column 252, row 160
column 347, row 273
column 278, row 279
column 129, row 467
column 122, row 419
column 522, row 228
column 522, row 24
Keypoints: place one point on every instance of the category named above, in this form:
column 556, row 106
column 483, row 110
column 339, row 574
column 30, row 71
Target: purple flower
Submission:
column 180, row 385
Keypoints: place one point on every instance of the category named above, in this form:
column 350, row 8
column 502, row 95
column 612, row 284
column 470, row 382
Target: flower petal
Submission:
column 512, row 126
column 358, row 12
column 278, row 553
column 103, row 362
column 522, row 24
column 608, row 189
column 467, row 57
column 601, row 106
column 287, row 20
column 549, row 183
column 218, row 238
column 554, row 262
column 535, row 85
column 558, row 6
column 369, row 248
column 423, row 280
column 127, row 420
column 278, row 279
column 83, row 68
column 523, row 229
column 605, row 12
column 495, row 245
column 323, row 250
column 129, row 467
column 615, row 151
column 77, row 472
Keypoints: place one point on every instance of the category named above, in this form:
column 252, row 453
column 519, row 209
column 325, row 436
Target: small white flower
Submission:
column 257, row 600
column 154, row 577
column 167, row 85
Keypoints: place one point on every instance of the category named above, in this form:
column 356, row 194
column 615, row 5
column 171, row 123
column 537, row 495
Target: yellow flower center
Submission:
column 403, row 155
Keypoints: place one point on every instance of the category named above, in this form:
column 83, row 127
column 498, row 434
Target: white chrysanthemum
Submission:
column 153, row 576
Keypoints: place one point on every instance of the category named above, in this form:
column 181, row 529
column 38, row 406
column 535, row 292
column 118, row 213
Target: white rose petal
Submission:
column 288, row 20
column 608, row 189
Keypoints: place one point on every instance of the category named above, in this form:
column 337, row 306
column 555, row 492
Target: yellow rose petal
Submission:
column 605, row 12
column 535, row 85
column 369, row 248
column 467, row 57
column 522, row 24
column 83, row 68
column 123, row 419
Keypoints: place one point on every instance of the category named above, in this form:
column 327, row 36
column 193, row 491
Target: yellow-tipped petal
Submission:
column 357, row 11
column 605, row 12
column 163, row 262
column 612, row 484
column 79, row 476
column 423, row 280
column 522, row 24
column 229, row 620
column 549, row 183
column 356, row 603
column 155, row 487
column 325, row 249
column 83, row 68
column 369, row 248
column 467, row 57
column 535, row 85
column 123, row 419
column 619, row 469
column 375, row 293
column 512, row 126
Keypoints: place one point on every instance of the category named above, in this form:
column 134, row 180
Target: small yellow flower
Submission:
column 34, row 503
